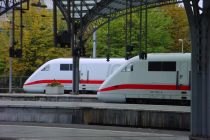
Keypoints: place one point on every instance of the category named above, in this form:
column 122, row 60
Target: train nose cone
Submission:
column 98, row 95
column 101, row 97
column 25, row 87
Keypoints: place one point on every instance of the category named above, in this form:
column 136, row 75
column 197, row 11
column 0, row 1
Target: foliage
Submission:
column 4, row 47
column 179, row 28
column 38, row 46
column 2, row 66
column 159, row 38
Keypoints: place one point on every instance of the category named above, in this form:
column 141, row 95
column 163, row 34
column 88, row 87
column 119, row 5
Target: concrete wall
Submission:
column 48, row 98
column 87, row 115
column 147, row 119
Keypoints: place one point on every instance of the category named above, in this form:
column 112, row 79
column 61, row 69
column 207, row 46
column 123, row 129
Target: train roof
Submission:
column 87, row 60
column 150, row 57
column 165, row 57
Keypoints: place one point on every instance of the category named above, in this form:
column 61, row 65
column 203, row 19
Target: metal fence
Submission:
column 17, row 83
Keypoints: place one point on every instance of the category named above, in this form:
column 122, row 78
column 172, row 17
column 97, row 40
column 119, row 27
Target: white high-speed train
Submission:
column 160, row 76
column 93, row 72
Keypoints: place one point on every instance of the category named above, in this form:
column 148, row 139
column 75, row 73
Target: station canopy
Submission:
column 84, row 12
column 97, row 8
column 93, row 9
column 89, row 11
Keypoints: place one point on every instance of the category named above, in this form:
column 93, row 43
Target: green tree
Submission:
column 4, row 46
column 179, row 29
column 159, row 38
column 38, row 44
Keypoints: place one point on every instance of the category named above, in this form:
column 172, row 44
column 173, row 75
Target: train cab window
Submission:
column 65, row 67
column 128, row 68
column 46, row 68
column 162, row 66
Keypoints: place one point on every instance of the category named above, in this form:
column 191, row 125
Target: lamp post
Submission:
column 182, row 41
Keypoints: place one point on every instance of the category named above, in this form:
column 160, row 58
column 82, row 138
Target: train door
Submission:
column 84, row 77
column 183, row 74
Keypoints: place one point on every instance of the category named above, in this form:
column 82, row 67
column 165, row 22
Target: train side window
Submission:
column 128, row 68
column 162, row 66
column 65, row 67
column 169, row 66
column 46, row 68
column 154, row 66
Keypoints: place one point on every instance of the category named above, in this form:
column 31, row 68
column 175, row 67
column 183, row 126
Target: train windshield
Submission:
column 46, row 68
column 128, row 68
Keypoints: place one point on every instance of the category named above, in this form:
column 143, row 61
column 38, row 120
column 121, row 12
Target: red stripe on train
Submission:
column 146, row 87
column 91, row 81
column 64, row 82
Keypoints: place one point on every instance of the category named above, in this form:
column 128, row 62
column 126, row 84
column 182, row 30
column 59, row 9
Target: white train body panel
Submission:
column 160, row 76
column 93, row 72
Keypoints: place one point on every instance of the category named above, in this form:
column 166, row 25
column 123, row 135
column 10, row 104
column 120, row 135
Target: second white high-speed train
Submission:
column 93, row 72
column 160, row 76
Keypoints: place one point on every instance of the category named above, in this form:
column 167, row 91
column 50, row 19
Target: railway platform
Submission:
column 17, row 131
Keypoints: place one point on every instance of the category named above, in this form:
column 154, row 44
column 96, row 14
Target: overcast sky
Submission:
column 49, row 4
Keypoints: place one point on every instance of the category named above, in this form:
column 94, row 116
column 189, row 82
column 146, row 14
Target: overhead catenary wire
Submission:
column 81, row 45
column 108, row 40
column 126, row 28
column 146, row 17
column 128, row 33
column 140, row 31
column 21, row 30
column 130, row 23
column 143, row 48
column 55, row 22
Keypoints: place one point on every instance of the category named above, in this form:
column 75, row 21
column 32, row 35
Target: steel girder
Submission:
column 6, row 5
